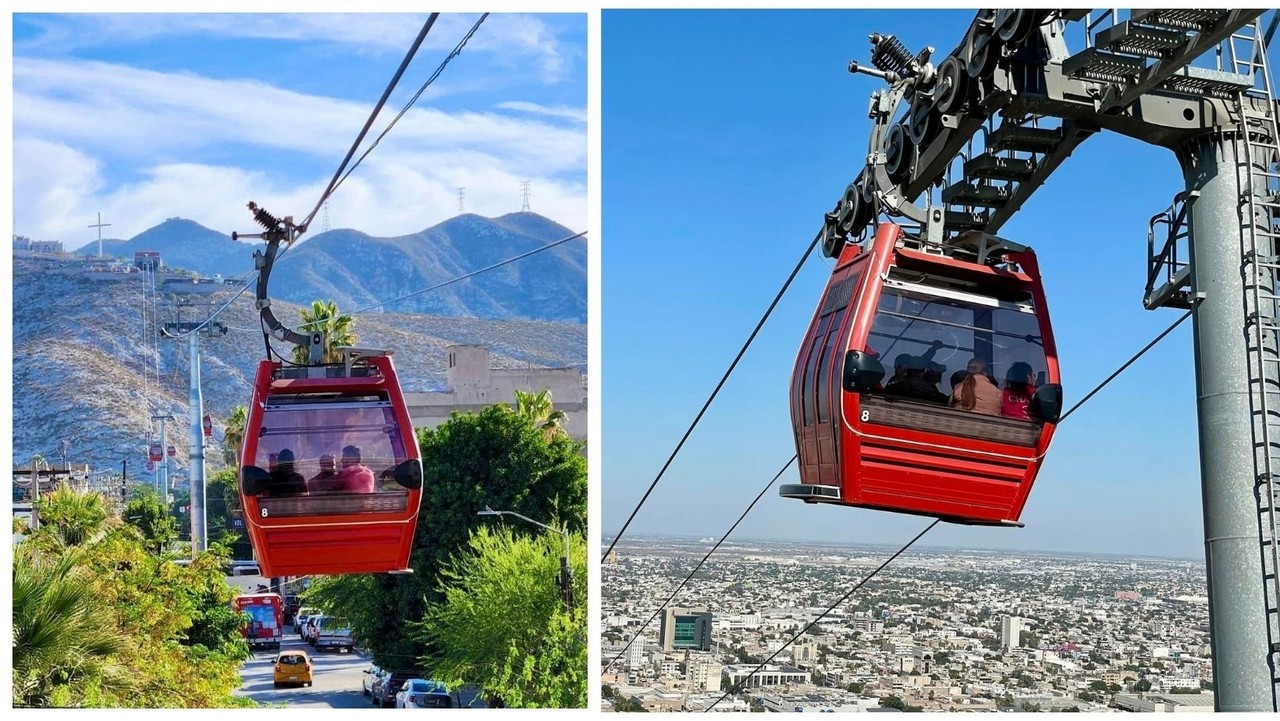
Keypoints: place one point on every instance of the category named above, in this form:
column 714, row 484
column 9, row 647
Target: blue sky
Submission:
column 726, row 137
column 143, row 117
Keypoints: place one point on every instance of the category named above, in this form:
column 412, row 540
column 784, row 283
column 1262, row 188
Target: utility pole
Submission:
column 461, row 207
column 195, row 466
column 100, row 225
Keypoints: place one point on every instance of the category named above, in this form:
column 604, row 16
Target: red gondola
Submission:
column 151, row 466
column 331, row 477
column 208, row 426
column 173, row 452
column 156, row 453
column 899, row 443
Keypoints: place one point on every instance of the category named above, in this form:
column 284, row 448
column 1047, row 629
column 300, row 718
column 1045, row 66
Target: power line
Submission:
column 768, row 311
column 472, row 274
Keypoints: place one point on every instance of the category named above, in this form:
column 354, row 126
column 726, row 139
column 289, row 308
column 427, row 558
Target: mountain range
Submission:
column 85, row 362
column 358, row 270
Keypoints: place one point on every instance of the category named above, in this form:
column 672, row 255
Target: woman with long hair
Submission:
column 1019, row 384
column 977, row 392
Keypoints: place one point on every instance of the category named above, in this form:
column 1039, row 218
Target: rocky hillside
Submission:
column 359, row 270
column 80, row 357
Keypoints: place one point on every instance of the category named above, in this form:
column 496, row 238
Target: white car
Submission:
column 421, row 693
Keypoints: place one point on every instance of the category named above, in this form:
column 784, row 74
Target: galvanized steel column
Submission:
column 1237, row 603
column 199, row 537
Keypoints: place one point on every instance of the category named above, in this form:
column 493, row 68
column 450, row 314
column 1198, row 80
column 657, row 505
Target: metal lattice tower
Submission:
column 461, row 207
column 524, row 195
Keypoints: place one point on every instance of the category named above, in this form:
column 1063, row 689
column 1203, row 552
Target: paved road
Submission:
column 337, row 679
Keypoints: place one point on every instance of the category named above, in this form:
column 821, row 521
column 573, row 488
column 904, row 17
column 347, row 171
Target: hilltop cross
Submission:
column 100, row 225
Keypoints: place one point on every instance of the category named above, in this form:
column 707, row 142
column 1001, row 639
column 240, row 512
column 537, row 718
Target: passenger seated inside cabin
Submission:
column 975, row 391
column 1019, row 384
column 355, row 477
column 327, row 479
column 911, row 379
column 285, row 481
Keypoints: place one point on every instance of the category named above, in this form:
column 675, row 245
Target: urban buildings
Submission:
column 684, row 628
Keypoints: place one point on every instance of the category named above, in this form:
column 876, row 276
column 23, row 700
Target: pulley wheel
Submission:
column 980, row 50
column 1013, row 26
column 849, row 208
column 953, row 85
column 897, row 150
column 922, row 122
column 832, row 240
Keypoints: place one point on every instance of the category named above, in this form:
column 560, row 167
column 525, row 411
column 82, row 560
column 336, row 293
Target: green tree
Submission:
column 233, row 435
column 538, row 410
column 494, row 459
column 74, row 518
column 151, row 517
column 323, row 316
column 60, row 639
column 502, row 624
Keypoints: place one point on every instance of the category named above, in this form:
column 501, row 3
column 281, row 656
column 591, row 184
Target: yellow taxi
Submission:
column 292, row 668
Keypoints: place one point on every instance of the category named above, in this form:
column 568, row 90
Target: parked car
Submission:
column 292, row 667
column 312, row 628
column 301, row 616
column 422, row 693
column 388, row 684
column 332, row 632
column 370, row 675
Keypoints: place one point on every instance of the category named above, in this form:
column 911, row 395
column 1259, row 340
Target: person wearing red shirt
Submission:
column 354, row 477
column 1019, row 384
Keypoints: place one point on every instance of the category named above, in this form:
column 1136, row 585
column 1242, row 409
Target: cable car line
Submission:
column 338, row 175
column 457, row 50
column 1127, row 363
column 460, row 278
column 395, row 79
column 768, row 311
column 725, row 537
column 823, row 615
column 689, row 577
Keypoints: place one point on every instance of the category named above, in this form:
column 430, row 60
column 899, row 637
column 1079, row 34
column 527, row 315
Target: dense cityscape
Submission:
column 937, row 630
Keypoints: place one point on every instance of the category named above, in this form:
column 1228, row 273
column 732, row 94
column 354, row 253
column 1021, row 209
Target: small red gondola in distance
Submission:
column 873, row 429
column 331, row 475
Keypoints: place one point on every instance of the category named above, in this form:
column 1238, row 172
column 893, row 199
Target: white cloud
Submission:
column 578, row 114
column 78, row 123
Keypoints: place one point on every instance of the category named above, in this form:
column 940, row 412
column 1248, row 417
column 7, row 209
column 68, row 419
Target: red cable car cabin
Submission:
column 331, row 476
column 898, row 443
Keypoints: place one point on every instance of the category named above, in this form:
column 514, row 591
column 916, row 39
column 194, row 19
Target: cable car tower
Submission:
column 958, row 147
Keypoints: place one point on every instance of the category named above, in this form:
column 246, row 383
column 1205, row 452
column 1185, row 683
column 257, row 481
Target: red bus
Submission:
column 265, row 623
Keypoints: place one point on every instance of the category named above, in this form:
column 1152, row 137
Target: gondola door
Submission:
column 816, row 393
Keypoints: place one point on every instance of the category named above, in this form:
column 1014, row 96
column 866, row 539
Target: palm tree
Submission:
column 233, row 435
column 73, row 518
column 60, row 636
column 538, row 410
column 325, row 318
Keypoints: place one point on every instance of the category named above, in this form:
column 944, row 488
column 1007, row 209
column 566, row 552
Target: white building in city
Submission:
column 473, row 384
column 1011, row 628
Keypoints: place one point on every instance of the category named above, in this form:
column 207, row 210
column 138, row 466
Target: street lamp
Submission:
column 566, row 575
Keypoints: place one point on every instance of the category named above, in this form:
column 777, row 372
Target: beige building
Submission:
column 474, row 384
